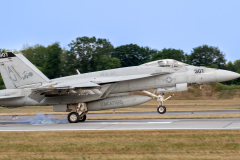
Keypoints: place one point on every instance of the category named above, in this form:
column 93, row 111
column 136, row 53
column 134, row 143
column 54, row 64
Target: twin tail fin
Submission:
column 18, row 72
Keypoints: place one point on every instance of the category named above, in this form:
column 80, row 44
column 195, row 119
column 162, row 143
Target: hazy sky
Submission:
column 179, row 24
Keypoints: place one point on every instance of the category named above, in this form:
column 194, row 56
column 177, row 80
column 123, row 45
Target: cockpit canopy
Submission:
column 165, row 63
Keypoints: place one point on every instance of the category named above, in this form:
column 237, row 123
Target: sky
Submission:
column 158, row 24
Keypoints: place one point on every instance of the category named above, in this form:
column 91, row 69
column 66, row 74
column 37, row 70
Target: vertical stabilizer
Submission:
column 20, row 71
column 6, row 78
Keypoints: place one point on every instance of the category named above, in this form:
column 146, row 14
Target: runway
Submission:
column 167, row 113
column 197, row 101
column 142, row 114
column 30, row 123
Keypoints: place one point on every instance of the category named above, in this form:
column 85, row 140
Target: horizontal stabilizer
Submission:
column 36, row 96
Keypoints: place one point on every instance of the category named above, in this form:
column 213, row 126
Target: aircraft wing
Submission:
column 100, row 80
column 91, row 85
column 8, row 97
column 66, row 85
column 38, row 95
column 162, row 71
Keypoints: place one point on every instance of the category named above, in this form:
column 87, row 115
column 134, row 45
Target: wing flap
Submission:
column 64, row 86
column 38, row 93
column 81, row 85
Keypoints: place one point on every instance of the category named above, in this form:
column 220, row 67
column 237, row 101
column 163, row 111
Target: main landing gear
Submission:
column 78, row 113
column 74, row 117
column 160, row 109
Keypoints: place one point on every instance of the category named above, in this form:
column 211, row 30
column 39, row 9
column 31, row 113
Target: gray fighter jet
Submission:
column 109, row 89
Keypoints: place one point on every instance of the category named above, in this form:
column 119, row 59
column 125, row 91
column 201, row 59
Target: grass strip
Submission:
column 144, row 144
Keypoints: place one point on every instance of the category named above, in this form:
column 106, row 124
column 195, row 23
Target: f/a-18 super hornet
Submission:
column 108, row 89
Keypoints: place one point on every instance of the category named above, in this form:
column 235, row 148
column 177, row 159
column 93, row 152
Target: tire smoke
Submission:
column 42, row 119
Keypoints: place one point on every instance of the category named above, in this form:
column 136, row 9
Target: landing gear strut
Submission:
column 161, row 109
column 83, row 118
column 78, row 113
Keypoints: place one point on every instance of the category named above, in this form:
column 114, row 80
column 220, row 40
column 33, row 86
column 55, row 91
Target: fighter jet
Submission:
column 109, row 89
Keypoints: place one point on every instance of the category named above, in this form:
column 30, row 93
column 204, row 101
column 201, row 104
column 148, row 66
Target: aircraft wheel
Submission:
column 73, row 117
column 83, row 118
column 161, row 109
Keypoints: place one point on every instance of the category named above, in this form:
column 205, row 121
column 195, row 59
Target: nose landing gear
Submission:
column 160, row 109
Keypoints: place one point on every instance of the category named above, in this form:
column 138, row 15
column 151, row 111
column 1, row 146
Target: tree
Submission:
column 132, row 54
column 103, row 48
column 108, row 63
column 237, row 65
column 230, row 66
column 236, row 81
column 170, row 53
column 70, row 63
column 207, row 56
column 28, row 52
column 86, row 53
column 36, row 54
column 1, row 80
column 147, row 54
column 53, row 62
column 3, row 50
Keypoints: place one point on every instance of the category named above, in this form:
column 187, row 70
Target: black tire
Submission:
column 161, row 109
column 82, row 119
column 73, row 117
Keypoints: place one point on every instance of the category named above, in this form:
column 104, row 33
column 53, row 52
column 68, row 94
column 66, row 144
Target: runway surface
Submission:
column 49, row 123
column 142, row 114
column 197, row 101
column 167, row 113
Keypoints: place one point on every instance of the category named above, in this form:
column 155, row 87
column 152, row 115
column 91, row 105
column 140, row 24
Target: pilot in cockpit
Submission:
column 165, row 63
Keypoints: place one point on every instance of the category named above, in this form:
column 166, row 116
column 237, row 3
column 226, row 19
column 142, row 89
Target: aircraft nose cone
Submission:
column 223, row 75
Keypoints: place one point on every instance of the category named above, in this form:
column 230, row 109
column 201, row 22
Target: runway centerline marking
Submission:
column 159, row 122
column 134, row 122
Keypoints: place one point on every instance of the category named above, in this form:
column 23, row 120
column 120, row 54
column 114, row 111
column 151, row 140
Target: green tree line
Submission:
column 88, row 54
